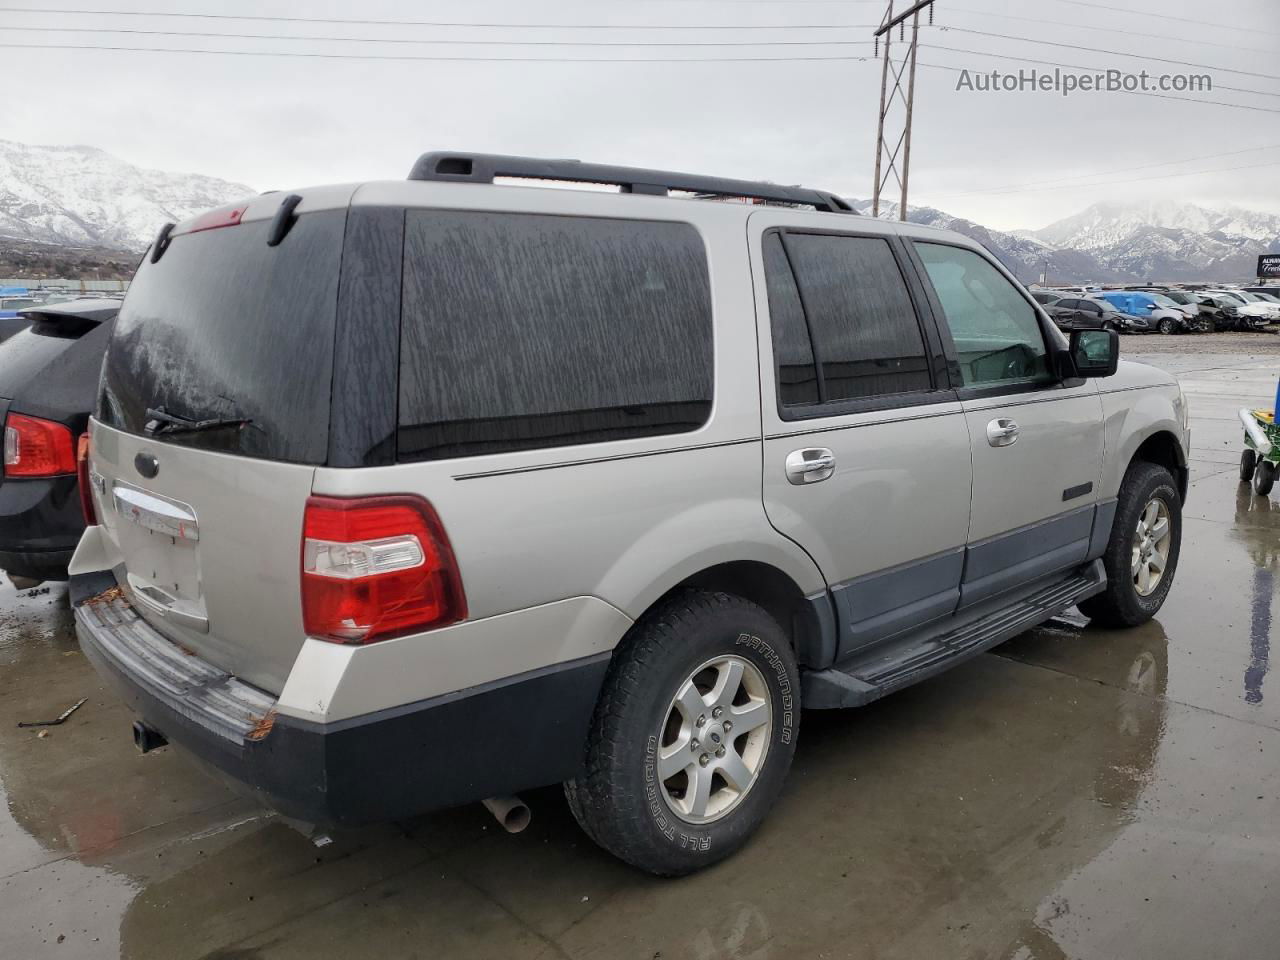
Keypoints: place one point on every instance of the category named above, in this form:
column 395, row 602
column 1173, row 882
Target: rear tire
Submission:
column 1248, row 461
column 1148, row 496
column 1264, row 477
column 682, row 659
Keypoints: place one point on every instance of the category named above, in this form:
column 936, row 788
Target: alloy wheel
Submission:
column 714, row 739
column 1151, row 542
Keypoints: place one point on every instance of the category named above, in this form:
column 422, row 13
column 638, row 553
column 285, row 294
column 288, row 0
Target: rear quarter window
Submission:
column 525, row 331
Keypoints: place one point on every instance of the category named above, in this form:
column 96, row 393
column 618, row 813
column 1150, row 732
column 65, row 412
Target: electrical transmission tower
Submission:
column 893, row 152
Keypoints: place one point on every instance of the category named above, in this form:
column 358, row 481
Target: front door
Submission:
column 866, row 451
column 1036, row 440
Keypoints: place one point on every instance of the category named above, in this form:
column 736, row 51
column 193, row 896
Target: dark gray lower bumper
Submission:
column 491, row 740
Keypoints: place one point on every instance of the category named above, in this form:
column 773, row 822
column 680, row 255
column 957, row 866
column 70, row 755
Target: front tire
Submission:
column 1248, row 462
column 1142, row 554
column 1167, row 327
column 1264, row 477
column 692, row 737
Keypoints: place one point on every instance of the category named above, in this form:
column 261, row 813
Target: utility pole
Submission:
column 889, row 149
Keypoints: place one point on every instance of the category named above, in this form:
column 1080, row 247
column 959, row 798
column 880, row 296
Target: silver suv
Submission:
column 418, row 493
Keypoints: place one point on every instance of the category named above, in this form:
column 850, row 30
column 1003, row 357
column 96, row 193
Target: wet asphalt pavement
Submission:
column 1075, row 793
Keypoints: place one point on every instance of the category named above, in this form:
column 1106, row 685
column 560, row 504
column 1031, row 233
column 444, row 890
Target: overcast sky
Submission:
column 276, row 122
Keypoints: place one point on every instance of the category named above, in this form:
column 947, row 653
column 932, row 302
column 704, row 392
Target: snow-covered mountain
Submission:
column 1104, row 225
column 1026, row 256
column 1108, row 242
column 83, row 195
column 1167, row 239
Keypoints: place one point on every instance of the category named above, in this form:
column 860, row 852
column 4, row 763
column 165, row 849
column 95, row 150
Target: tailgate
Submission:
column 210, row 548
column 213, row 413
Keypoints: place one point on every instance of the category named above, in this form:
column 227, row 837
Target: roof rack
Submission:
column 485, row 167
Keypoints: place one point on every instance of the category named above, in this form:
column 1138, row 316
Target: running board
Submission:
column 895, row 664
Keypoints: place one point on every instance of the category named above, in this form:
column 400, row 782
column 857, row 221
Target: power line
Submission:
column 442, row 59
column 1076, row 66
column 1114, row 53
column 437, row 23
column 1112, row 8
column 488, row 59
column 1128, row 33
column 456, row 42
column 1031, row 185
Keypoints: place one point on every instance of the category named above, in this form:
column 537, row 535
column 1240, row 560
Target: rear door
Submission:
column 866, row 455
column 206, row 523
column 1036, row 440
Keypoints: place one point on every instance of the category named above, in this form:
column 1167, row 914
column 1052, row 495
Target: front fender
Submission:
column 1131, row 416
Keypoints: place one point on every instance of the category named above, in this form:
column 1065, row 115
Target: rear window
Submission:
column 522, row 331
column 226, row 327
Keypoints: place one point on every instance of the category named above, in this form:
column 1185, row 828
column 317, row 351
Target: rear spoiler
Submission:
column 75, row 313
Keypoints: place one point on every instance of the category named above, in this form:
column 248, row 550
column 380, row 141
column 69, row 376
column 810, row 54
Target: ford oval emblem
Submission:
column 146, row 464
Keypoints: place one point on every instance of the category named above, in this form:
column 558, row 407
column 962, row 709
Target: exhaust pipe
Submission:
column 147, row 739
column 512, row 812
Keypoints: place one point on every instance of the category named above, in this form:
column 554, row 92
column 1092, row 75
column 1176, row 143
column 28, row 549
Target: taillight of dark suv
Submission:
column 37, row 448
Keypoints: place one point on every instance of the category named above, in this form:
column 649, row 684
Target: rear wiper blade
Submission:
column 160, row 421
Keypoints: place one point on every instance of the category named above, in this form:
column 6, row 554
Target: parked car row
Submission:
column 1163, row 310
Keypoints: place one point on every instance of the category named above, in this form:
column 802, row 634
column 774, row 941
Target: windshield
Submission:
column 225, row 327
column 1163, row 301
column 1267, row 297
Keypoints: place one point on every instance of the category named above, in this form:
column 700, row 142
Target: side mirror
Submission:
column 1094, row 353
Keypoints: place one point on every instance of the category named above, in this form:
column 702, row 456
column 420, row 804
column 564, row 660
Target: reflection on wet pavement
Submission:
column 1076, row 793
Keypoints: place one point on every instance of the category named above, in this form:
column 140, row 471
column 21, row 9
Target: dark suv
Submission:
column 48, row 381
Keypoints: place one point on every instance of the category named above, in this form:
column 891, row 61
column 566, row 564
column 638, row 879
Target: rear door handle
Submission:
column 1002, row 432
column 811, row 465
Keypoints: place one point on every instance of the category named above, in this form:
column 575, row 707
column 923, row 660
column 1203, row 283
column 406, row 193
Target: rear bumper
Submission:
column 491, row 740
column 36, row 564
column 40, row 524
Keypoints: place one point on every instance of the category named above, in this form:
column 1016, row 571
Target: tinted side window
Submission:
column 522, row 331
column 865, row 337
column 792, row 351
column 996, row 333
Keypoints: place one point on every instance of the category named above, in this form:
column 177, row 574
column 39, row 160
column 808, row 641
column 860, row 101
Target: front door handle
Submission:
column 810, row 465
column 1002, row 432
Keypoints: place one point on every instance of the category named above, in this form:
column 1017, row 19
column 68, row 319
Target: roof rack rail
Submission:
column 485, row 167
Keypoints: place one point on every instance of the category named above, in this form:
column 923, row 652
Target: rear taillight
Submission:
column 376, row 567
column 37, row 448
column 82, row 472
